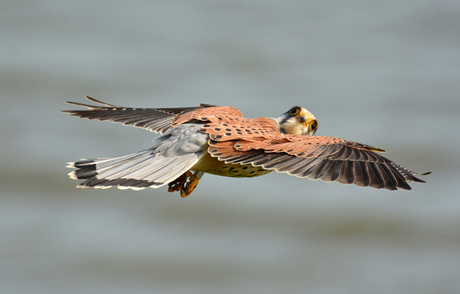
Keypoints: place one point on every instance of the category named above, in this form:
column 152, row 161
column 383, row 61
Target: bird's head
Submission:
column 297, row 121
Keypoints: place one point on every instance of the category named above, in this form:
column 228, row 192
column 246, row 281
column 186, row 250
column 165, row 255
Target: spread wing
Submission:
column 314, row 157
column 156, row 120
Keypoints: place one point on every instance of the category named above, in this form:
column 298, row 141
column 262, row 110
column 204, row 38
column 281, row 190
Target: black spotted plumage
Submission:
column 219, row 140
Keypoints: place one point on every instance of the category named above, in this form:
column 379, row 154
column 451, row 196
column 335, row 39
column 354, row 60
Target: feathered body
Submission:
column 220, row 141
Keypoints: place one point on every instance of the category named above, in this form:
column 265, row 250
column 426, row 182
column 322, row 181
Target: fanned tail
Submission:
column 135, row 171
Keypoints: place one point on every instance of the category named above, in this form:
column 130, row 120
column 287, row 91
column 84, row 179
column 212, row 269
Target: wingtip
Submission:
column 99, row 102
column 74, row 103
column 88, row 106
column 375, row 149
column 417, row 180
column 205, row 105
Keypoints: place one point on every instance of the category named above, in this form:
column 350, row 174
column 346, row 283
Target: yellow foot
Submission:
column 186, row 188
column 189, row 186
column 178, row 183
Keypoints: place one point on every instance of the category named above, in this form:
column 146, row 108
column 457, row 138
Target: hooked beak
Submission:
column 309, row 122
column 302, row 118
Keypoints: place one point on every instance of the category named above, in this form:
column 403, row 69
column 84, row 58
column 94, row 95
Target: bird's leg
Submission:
column 189, row 186
column 178, row 183
column 185, row 187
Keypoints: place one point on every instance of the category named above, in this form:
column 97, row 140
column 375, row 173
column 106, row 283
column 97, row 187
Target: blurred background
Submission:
column 381, row 73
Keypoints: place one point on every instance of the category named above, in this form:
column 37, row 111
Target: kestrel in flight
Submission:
column 219, row 140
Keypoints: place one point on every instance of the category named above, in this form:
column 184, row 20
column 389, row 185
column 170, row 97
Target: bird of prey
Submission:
column 219, row 140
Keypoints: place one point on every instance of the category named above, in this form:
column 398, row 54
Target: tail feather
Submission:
column 134, row 171
column 162, row 175
column 125, row 167
column 145, row 168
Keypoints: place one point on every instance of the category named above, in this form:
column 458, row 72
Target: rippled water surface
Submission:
column 382, row 73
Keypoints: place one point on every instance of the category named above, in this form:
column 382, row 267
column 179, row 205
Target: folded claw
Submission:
column 189, row 186
column 178, row 183
column 186, row 183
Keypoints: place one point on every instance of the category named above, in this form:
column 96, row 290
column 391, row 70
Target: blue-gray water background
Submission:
column 385, row 73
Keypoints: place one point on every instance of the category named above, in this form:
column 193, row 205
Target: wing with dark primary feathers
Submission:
column 156, row 120
column 314, row 157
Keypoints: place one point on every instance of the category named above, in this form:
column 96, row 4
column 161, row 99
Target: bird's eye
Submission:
column 294, row 111
column 313, row 125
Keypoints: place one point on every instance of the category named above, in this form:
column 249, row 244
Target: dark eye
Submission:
column 294, row 111
column 313, row 125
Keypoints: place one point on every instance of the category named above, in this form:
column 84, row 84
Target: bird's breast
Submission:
column 212, row 165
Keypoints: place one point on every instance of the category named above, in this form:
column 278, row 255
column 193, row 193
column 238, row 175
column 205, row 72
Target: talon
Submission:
column 189, row 186
column 178, row 183
column 186, row 183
